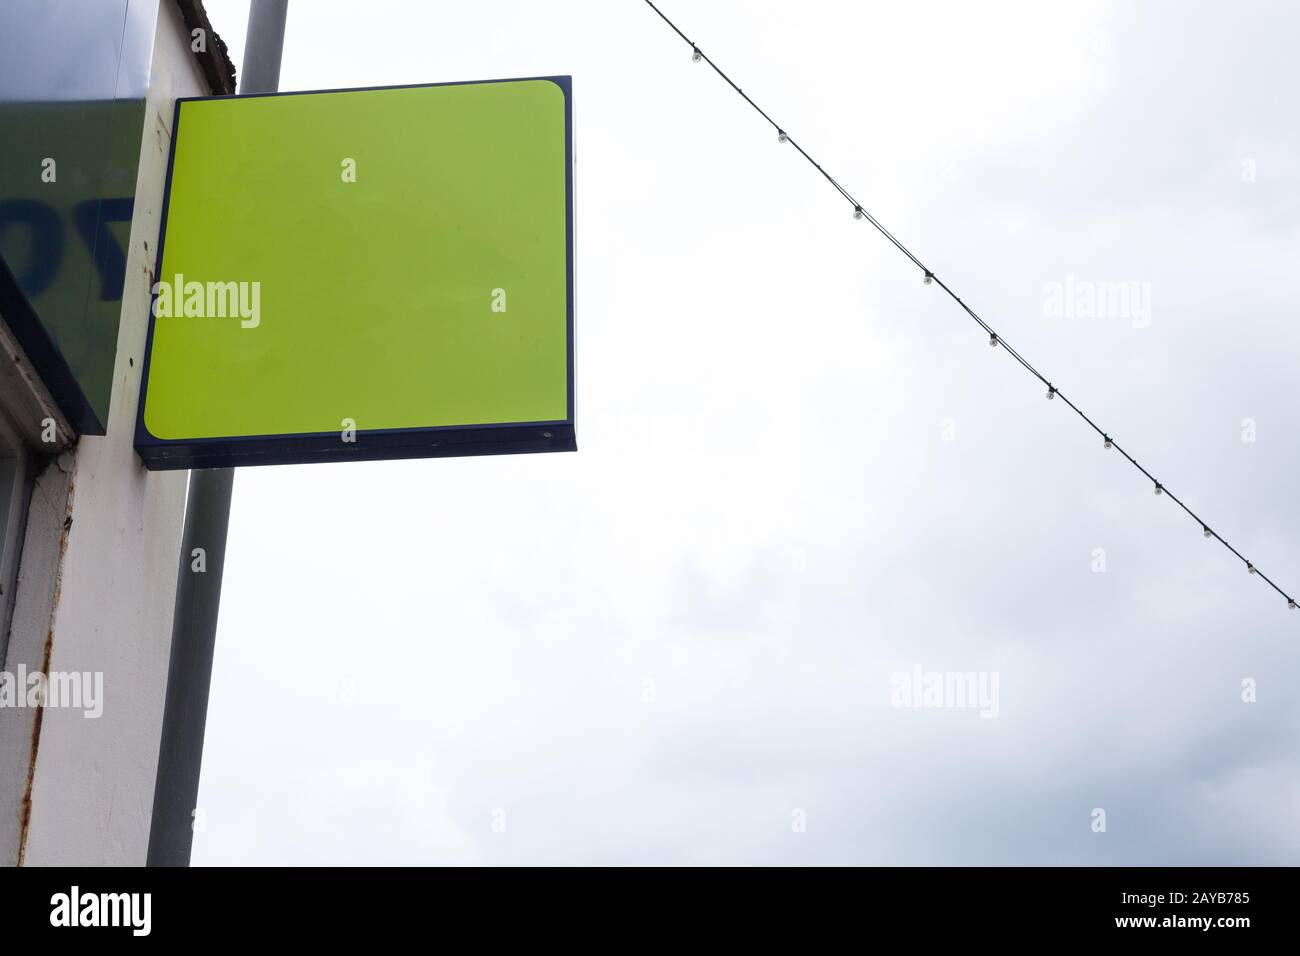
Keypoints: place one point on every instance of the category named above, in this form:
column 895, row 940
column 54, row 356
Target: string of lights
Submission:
column 995, row 340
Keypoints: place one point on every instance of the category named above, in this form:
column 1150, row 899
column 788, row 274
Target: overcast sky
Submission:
column 801, row 470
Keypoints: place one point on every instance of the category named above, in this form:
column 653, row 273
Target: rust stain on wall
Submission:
column 25, row 807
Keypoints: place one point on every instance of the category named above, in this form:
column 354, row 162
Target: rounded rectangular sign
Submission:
column 364, row 274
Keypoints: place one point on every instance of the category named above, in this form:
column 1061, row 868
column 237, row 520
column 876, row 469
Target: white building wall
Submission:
column 97, row 594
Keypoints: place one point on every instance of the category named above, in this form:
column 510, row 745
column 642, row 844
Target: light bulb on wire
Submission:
column 929, row 278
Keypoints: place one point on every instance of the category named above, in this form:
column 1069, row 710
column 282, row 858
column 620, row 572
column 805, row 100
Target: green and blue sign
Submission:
column 364, row 274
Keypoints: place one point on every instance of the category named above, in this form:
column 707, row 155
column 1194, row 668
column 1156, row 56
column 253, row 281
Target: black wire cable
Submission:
column 994, row 338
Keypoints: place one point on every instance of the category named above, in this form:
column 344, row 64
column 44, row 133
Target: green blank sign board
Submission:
column 363, row 274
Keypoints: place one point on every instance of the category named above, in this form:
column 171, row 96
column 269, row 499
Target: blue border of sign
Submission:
column 159, row 454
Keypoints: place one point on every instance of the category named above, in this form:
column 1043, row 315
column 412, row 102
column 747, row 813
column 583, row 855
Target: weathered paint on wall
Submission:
column 91, row 780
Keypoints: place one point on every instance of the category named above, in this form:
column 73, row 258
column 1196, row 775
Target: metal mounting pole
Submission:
column 189, row 673
column 263, row 47
column 198, row 593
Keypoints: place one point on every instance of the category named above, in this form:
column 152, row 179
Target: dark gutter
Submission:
column 214, row 60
